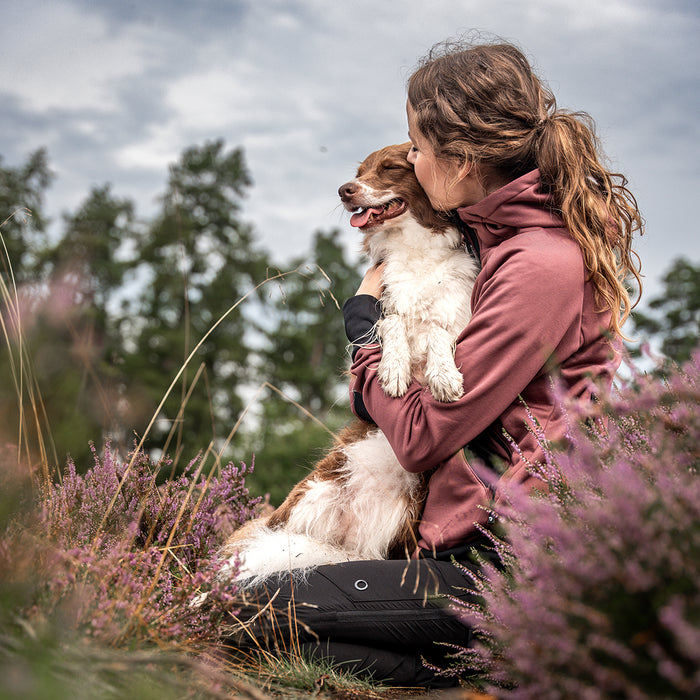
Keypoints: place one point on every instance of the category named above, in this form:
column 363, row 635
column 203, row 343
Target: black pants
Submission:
column 375, row 618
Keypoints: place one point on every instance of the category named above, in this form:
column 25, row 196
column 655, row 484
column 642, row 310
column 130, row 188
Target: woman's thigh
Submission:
column 391, row 603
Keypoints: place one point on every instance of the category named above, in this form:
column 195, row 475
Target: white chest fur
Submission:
column 428, row 279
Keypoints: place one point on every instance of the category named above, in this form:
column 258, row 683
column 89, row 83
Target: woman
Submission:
column 552, row 228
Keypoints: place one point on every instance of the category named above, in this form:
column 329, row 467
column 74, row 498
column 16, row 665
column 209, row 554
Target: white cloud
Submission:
column 155, row 152
column 309, row 87
column 68, row 59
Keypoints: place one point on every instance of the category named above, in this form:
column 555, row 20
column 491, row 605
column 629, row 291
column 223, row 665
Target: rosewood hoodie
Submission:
column 533, row 314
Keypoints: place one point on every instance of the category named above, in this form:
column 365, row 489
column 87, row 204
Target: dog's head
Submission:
column 385, row 189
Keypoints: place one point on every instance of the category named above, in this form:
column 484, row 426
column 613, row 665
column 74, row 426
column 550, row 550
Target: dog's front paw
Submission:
column 394, row 377
column 446, row 385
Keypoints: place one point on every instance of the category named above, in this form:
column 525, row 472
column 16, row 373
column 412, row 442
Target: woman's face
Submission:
column 447, row 184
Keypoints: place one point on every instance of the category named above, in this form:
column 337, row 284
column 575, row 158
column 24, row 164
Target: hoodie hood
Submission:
column 520, row 204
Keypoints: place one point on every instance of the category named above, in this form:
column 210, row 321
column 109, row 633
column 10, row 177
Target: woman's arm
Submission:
column 361, row 314
column 372, row 281
column 528, row 301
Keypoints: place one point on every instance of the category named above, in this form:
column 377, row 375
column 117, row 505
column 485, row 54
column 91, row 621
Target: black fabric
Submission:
column 380, row 617
column 375, row 663
column 361, row 314
column 359, row 408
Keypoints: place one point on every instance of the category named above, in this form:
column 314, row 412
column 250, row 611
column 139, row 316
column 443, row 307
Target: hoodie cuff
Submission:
column 361, row 314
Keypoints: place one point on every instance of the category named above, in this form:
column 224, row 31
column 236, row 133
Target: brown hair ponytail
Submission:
column 485, row 104
column 599, row 211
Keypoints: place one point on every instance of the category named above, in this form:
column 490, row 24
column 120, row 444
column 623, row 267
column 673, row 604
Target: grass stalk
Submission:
column 277, row 276
column 20, row 366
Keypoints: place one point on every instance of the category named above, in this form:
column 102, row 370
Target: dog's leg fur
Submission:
column 395, row 366
column 357, row 503
column 445, row 381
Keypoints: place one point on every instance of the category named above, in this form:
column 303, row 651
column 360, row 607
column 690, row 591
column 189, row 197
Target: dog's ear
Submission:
column 421, row 208
column 418, row 201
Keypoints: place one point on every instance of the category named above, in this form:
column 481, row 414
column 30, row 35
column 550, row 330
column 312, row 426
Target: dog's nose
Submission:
column 347, row 190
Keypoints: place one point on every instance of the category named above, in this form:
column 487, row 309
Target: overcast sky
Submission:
column 117, row 89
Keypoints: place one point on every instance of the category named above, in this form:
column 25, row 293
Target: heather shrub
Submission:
column 600, row 596
column 117, row 558
column 97, row 578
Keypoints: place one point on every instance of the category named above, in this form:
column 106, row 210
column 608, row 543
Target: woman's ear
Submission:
column 466, row 169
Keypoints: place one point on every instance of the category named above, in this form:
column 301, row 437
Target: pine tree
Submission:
column 306, row 358
column 22, row 192
column 673, row 316
column 22, row 242
column 198, row 260
column 71, row 346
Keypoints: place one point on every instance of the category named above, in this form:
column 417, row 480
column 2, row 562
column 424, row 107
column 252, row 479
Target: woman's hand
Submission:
column 372, row 282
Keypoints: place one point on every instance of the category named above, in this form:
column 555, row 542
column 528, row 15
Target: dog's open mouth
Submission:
column 376, row 215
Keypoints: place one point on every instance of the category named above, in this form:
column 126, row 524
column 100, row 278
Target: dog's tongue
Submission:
column 362, row 217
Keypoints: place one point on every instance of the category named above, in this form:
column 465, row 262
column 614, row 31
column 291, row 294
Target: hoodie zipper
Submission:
column 466, row 453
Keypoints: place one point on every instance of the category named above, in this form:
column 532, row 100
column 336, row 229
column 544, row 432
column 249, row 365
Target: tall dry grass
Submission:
column 99, row 566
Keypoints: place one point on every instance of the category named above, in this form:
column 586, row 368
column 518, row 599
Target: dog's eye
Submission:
column 392, row 166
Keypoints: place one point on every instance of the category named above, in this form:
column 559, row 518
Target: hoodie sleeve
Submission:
column 361, row 314
column 527, row 306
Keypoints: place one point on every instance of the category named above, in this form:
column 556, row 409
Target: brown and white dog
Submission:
column 358, row 502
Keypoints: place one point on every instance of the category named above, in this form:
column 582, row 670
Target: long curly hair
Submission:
column 484, row 104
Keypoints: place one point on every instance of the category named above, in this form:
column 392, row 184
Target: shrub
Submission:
column 600, row 595
column 117, row 558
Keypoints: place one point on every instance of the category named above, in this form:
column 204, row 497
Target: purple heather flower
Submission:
column 601, row 593
column 107, row 570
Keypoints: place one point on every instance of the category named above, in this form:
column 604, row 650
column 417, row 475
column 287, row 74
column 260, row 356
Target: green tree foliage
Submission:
column 673, row 317
column 21, row 208
column 67, row 332
column 306, row 349
column 305, row 358
column 88, row 266
column 22, row 239
column 90, row 256
column 114, row 308
column 199, row 260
